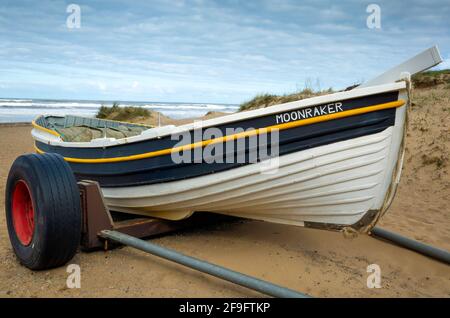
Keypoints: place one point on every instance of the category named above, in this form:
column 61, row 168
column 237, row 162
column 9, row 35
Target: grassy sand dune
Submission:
column 266, row 100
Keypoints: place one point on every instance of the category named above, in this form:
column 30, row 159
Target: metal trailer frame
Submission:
column 99, row 227
column 96, row 217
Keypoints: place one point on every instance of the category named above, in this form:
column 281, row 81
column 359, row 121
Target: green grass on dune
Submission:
column 128, row 113
column 431, row 78
column 421, row 80
column 115, row 112
column 434, row 73
column 266, row 100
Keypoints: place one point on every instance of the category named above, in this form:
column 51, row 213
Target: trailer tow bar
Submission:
column 203, row 266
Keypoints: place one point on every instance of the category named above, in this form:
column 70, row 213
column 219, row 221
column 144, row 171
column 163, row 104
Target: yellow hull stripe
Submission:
column 54, row 133
column 244, row 134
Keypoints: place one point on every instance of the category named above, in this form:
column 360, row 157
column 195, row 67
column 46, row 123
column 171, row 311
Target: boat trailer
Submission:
column 99, row 227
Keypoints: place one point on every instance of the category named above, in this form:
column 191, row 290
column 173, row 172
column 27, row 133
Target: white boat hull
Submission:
column 336, row 184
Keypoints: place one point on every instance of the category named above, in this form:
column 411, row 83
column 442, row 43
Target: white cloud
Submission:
column 206, row 50
column 101, row 86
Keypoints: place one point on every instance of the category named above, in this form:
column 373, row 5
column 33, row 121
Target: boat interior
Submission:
column 82, row 129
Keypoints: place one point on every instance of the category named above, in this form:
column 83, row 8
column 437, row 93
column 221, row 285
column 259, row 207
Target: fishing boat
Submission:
column 330, row 162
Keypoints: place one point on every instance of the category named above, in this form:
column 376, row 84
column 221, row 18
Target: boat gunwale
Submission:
column 258, row 131
column 313, row 101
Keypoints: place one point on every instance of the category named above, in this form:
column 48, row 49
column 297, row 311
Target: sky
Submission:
column 206, row 51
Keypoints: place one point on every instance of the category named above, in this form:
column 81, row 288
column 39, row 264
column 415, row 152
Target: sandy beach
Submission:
column 320, row 263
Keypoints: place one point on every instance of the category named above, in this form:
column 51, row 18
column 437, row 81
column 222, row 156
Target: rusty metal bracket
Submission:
column 97, row 217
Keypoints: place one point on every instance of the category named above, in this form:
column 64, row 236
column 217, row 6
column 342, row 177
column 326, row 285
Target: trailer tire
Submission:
column 43, row 211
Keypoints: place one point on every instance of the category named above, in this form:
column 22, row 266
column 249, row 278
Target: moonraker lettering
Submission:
column 309, row 112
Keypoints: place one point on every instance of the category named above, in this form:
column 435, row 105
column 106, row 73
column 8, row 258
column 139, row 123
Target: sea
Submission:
column 14, row 110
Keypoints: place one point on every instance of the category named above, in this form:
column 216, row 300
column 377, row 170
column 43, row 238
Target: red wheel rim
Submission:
column 23, row 212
